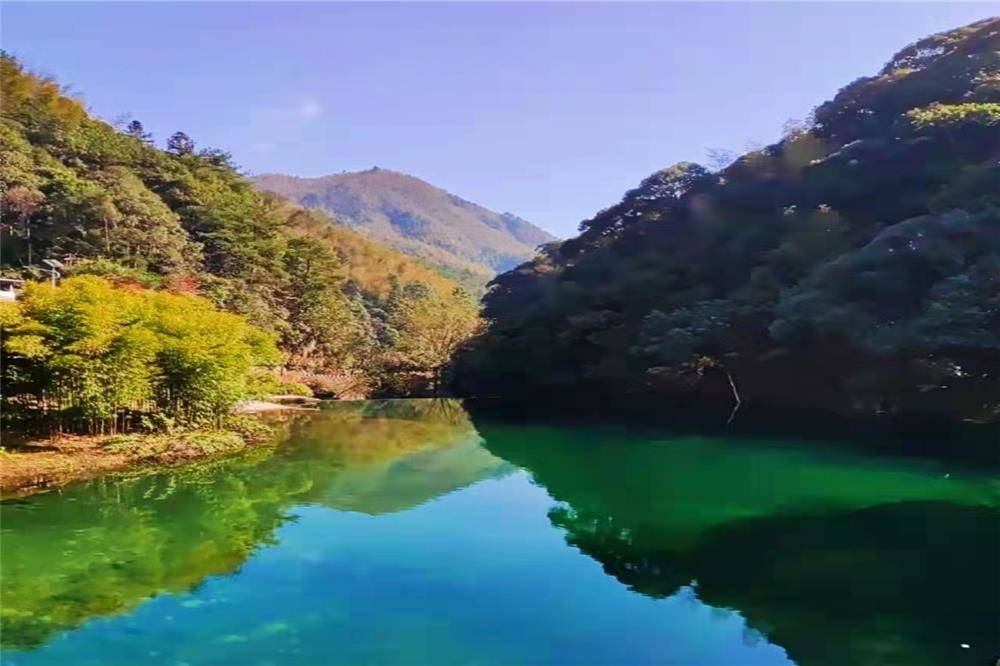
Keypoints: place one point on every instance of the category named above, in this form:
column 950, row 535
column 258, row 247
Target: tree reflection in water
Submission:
column 102, row 547
column 840, row 558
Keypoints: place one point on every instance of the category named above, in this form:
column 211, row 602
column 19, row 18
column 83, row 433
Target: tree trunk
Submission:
column 736, row 394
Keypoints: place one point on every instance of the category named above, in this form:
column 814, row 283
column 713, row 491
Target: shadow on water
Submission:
column 976, row 445
column 842, row 559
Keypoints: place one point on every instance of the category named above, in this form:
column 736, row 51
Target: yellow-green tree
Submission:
column 428, row 328
column 87, row 356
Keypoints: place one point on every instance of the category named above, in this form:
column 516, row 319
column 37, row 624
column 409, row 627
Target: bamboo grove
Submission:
column 86, row 356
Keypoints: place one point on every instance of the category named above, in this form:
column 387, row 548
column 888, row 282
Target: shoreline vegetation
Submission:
column 39, row 465
column 31, row 464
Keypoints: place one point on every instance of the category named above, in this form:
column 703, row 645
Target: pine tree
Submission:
column 180, row 143
column 137, row 131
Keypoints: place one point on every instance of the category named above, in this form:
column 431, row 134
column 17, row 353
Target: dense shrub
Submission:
column 87, row 356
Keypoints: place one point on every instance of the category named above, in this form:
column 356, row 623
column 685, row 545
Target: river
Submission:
column 408, row 532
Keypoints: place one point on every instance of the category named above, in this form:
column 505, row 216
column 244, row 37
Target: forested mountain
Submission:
column 108, row 202
column 466, row 240
column 854, row 265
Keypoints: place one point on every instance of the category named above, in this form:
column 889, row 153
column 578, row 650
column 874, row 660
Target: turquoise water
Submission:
column 406, row 532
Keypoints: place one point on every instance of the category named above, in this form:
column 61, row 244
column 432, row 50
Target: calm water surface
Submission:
column 402, row 532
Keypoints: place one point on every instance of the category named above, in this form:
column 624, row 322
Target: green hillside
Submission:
column 106, row 201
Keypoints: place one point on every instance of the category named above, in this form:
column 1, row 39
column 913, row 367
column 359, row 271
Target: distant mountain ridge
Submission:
column 416, row 218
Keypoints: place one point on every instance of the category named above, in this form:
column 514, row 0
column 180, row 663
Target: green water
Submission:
column 406, row 532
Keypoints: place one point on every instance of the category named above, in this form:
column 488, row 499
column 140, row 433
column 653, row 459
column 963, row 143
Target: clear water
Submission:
column 402, row 532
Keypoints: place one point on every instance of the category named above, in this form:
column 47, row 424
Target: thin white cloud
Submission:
column 272, row 130
column 305, row 108
column 309, row 108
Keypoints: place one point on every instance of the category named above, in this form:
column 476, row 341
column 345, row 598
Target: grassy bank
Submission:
column 29, row 464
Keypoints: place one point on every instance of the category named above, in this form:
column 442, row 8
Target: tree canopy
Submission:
column 852, row 265
column 96, row 358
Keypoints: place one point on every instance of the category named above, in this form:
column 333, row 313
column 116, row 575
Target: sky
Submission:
column 549, row 111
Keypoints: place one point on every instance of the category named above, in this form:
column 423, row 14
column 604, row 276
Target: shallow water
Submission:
column 402, row 532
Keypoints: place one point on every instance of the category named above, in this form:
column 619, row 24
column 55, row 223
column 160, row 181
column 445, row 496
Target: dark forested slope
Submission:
column 854, row 265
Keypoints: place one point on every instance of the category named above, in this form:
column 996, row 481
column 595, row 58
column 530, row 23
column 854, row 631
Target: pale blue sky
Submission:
column 550, row 111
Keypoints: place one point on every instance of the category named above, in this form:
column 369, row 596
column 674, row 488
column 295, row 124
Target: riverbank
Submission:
column 39, row 464
column 32, row 464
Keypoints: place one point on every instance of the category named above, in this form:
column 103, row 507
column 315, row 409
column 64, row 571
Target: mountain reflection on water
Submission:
column 836, row 556
column 101, row 547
